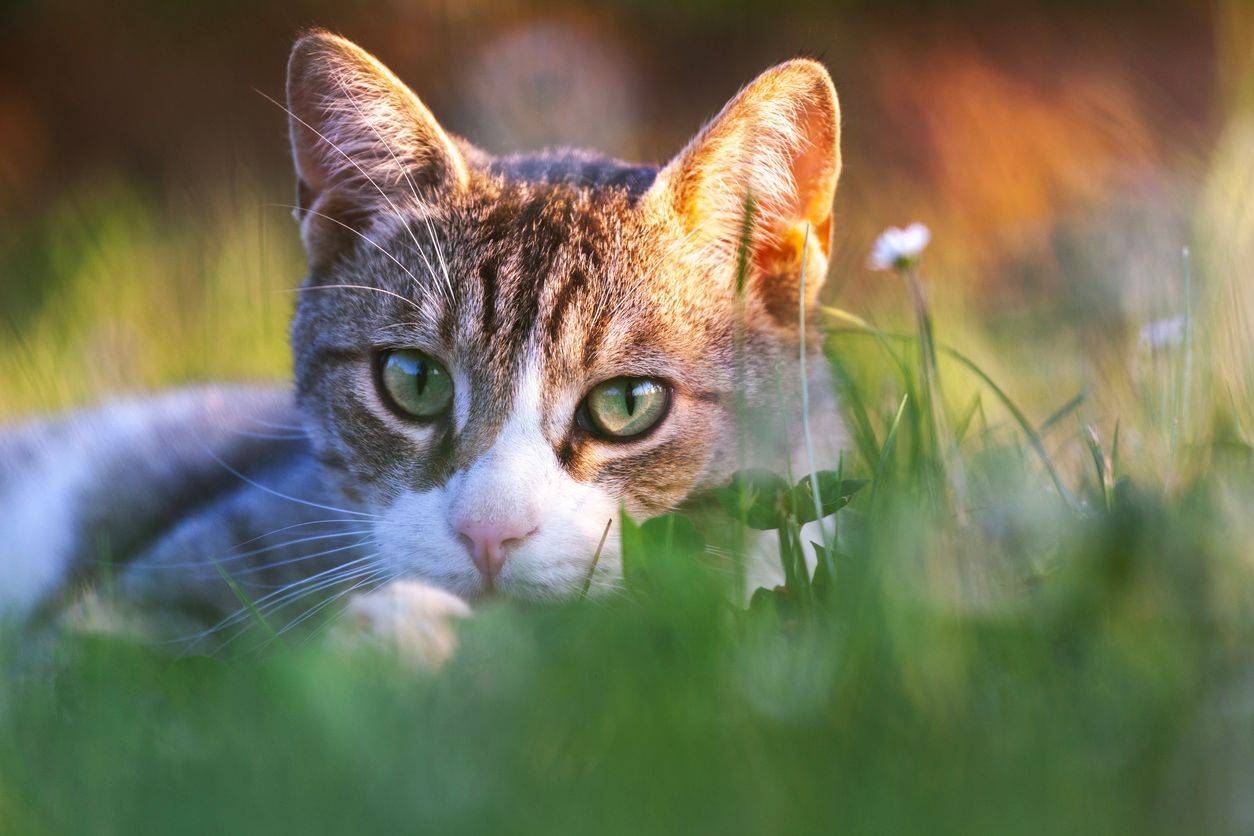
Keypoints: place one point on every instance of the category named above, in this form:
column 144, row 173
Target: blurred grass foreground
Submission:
column 1033, row 615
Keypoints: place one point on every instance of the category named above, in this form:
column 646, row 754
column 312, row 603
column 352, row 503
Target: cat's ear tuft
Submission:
column 362, row 142
column 776, row 149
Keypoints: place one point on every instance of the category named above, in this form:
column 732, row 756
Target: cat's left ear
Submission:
column 362, row 142
column 775, row 148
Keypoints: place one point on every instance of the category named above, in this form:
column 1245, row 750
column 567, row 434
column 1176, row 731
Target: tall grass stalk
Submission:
column 803, row 366
column 743, row 252
column 864, row 328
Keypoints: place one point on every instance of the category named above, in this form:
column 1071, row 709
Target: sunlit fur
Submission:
column 532, row 279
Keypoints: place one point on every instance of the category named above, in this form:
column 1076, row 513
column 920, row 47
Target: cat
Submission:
column 492, row 355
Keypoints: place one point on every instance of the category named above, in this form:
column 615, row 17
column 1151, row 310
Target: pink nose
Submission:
column 488, row 540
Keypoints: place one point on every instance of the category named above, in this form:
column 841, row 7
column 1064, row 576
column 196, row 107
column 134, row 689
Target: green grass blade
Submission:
column 886, row 450
column 1033, row 437
column 1063, row 411
column 804, row 365
column 596, row 558
column 245, row 601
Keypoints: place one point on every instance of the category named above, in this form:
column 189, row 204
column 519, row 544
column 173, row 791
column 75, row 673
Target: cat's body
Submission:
column 493, row 356
column 151, row 492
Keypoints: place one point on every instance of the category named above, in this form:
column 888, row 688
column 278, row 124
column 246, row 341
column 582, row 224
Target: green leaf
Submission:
column 833, row 491
column 773, row 604
column 760, row 495
column 822, row 580
column 660, row 553
column 634, row 554
column 673, row 535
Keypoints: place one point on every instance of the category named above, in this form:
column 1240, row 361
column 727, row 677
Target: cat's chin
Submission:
column 532, row 576
column 519, row 593
column 561, row 584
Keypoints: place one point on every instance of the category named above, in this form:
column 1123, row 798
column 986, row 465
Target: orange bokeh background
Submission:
column 1033, row 137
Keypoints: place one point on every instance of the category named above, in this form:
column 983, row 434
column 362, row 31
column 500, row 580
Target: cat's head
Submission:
column 496, row 354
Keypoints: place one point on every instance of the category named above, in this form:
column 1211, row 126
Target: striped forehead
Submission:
column 518, row 267
column 525, row 276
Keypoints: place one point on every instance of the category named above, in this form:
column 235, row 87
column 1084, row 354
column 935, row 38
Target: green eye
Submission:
column 415, row 383
column 626, row 407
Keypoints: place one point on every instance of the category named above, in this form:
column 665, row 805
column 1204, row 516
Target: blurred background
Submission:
column 993, row 659
column 1063, row 153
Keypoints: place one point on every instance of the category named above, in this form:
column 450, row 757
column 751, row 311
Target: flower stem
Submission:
column 947, row 482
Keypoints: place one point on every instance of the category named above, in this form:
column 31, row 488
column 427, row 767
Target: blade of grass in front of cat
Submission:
column 854, row 406
column 742, row 440
column 1094, row 445
column 858, row 325
column 804, row 373
column 1114, row 465
column 1063, row 411
column 889, row 441
column 1034, row 439
column 829, row 554
column 245, row 601
column 596, row 558
column 964, row 422
column 1182, row 424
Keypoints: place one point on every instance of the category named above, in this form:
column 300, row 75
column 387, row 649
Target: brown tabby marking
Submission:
column 564, row 268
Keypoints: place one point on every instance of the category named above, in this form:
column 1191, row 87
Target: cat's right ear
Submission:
column 362, row 142
column 762, row 176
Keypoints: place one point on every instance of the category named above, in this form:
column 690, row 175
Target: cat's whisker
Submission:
column 275, row 425
column 369, row 577
column 439, row 255
column 404, row 172
column 266, row 603
column 446, row 293
column 279, row 495
column 394, row 295
column 319, row 580
column 382, row 579
column 271, row 436
column 357, row 576
column 251, row 624
column 306, row 523
column 273, row 607
column 358, row 580
column 363, row 236
column 607, row 589
column 348, row 157
column 722, row 569
column 234, row 558
column 292, row 560
column 352, row 99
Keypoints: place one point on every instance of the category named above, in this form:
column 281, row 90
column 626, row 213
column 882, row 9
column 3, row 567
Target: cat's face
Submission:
column 496, row 355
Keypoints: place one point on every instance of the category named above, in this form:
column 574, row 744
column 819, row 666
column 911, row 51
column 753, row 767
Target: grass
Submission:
column 1021, row 621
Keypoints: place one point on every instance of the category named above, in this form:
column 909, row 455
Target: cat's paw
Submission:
column 417, row 621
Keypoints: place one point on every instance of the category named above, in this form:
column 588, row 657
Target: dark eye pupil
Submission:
column 629, row 397
column 420, row 378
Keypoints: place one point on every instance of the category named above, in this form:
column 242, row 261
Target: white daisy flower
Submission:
column 897, row 249
column 1163, row 333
